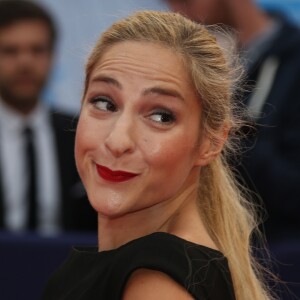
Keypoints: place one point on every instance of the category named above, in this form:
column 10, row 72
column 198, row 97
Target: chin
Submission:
column 27, row 99
column 106, row 205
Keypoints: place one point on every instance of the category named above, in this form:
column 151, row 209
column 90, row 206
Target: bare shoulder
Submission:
column 149, row 285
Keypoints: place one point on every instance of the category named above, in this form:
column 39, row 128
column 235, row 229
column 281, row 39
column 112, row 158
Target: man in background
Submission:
column 270, row 47
column 39, row 186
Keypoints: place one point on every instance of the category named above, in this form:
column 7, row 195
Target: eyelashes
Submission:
column 104, row 104
column 160, row 116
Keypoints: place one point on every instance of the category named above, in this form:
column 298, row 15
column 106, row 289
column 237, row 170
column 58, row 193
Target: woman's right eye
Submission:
column 104, row 103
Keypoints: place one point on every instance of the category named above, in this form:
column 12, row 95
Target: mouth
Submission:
column 114, row 176
column 25, row 81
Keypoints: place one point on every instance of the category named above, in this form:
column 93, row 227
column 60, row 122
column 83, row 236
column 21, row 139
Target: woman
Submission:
column 154, row 128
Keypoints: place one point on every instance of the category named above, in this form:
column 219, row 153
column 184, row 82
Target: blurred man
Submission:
column 39, row 186
column 270, row 47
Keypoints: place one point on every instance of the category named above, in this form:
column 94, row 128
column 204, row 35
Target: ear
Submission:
column 209, row 148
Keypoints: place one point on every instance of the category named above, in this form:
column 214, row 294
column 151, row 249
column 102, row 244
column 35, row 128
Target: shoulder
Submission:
column 284, row 44
column 150, row 284
column 167, row 251
column 183, row 265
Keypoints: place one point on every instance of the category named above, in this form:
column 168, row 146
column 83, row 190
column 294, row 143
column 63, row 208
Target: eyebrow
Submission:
column 108, row 80
column 163, row 91
column 153, row 90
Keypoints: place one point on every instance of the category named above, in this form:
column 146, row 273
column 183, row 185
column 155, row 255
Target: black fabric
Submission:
column 88, row 274
column 32, row 184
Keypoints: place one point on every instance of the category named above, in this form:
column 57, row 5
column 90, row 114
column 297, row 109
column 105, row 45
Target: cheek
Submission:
column 170, row 165
column 6, row 69
column 43, row 65
column 170, row 153
column 79, row 145
column 84, row 142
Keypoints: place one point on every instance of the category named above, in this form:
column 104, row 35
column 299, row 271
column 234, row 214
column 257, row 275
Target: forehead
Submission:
column 24, row 31
column 147, row 60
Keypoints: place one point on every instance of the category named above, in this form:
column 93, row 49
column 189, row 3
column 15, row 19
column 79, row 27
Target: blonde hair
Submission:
column 227, row 215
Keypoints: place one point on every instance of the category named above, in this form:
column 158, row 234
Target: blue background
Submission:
column 80, row 23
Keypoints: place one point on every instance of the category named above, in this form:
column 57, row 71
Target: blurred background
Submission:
column 81, row 22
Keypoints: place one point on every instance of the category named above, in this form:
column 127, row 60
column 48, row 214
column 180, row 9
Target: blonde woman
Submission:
column 155, row 124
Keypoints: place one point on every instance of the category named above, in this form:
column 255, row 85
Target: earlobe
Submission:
column 210, row 148
column 207, row 153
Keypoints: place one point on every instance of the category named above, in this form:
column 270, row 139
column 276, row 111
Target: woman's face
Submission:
column 137, row 142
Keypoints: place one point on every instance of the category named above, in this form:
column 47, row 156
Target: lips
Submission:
column 114, row 176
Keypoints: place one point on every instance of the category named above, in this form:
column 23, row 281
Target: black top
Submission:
column 89, row 274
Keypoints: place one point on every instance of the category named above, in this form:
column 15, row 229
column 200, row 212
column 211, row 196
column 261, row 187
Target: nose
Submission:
column 24, row 57
column 120, row 139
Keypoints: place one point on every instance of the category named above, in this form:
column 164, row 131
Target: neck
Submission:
column 248, row 20
column 173, row 216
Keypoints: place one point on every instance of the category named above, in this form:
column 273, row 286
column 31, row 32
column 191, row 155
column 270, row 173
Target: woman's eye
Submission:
column 103, row 103
column 163, row 117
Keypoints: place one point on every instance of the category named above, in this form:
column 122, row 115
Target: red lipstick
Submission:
column 114, row 176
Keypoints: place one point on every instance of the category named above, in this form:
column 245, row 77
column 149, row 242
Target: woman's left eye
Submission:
column 163, row 117
column 104, row 103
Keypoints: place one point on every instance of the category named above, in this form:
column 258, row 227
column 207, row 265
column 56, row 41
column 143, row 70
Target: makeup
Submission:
column 114, row 176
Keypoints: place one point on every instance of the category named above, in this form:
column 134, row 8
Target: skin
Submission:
column 244, row 16
column 25, row 62
column 150, row 284
column 125, row 124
